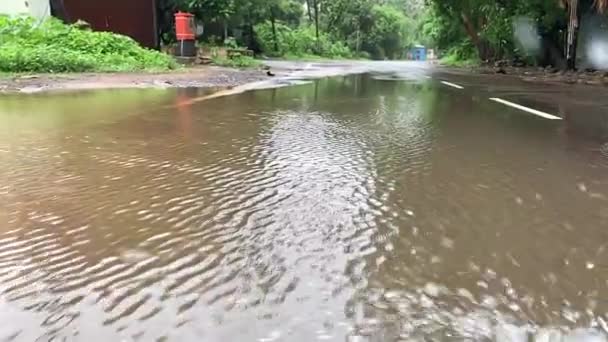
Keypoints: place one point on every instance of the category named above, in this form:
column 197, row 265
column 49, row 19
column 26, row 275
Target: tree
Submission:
column 387, row 36
column 487, row 25
column 383, row 28
column 316, row 13
column 574, row 18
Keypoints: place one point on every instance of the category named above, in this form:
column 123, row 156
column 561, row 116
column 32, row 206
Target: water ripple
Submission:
column 357, row 210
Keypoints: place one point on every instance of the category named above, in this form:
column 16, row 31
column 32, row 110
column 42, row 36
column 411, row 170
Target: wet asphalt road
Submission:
column 400, row 202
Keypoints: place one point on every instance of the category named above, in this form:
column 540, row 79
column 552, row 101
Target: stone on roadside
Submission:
column 594, row 82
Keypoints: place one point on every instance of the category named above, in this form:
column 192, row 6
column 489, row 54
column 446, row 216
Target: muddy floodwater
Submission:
column 358, row 208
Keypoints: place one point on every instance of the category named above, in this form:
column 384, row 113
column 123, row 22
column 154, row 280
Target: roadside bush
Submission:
column 462, row 54
column 55, row 47
column 301, row 42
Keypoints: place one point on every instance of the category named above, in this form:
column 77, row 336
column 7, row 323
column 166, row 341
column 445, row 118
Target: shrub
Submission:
column 55, row 47
column 462, row 54
column 301, row 41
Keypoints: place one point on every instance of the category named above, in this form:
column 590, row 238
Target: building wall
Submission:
column 13, row 7
column 37, row 8
column 133, row 18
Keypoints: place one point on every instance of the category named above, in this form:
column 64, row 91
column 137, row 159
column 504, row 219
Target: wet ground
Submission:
column 198, row 76
column 384, row 206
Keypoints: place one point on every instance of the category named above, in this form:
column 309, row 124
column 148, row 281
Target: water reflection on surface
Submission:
column 352, row 208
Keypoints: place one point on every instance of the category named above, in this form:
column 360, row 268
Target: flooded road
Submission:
column 375, row 207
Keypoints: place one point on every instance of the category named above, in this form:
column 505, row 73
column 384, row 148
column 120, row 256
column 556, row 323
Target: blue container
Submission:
column 419, row 53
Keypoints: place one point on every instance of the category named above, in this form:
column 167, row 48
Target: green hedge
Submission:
column 51, row 46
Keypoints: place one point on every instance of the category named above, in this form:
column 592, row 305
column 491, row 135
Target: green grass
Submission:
column 455, row 61
column 53, row 47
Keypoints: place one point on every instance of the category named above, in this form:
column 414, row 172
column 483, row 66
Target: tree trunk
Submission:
column 225, row 29
column 572, row 41
column 309, row 10
column 483, row 49
column 316, row 9
column 274, row 30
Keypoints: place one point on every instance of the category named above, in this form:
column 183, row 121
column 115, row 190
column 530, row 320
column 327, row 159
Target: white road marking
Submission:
column 454, row 85
column 526, row 109
column 427, row 76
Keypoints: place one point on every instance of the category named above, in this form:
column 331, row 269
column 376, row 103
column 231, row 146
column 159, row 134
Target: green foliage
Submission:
column 55, row 47
column 231, row 43
column 300, row 41
column 387, row 38
column 346, row 28
column 461, row 55
column 488, row 26
column 203, row 9
column 380, row 29
column 236, row 62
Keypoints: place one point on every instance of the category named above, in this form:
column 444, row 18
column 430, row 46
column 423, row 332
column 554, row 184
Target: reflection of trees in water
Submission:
column 398, row 135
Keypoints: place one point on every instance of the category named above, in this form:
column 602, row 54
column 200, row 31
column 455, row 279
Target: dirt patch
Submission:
column 199, row 77
column 551, row 75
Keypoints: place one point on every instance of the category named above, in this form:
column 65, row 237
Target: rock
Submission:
column 594, row 82
column 161, row 84
column 204, row 60
column 550, row 70
column 29, row 77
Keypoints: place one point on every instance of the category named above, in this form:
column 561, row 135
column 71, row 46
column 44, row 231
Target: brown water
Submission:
column 348, row 209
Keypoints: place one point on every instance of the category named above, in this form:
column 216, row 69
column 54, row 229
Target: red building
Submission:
column 134, row 18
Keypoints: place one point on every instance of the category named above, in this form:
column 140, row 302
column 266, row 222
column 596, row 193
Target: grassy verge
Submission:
column 237, row 62
column 454, row 61
column 53, row 47
column 461, row 55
